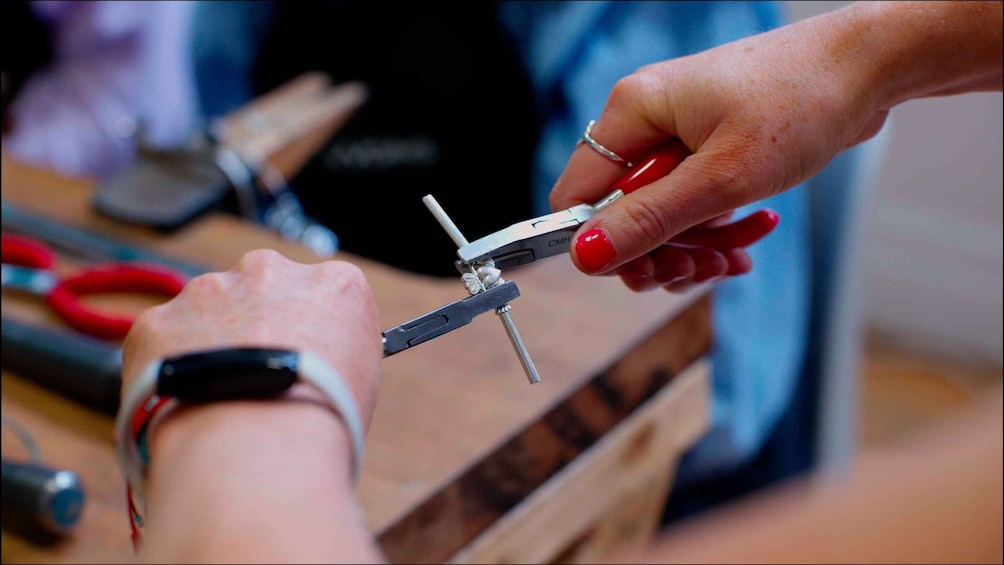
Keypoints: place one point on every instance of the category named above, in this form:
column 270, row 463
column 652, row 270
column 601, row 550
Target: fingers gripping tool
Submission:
column 481, row 262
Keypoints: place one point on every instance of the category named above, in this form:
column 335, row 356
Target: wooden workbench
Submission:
column 465, row 461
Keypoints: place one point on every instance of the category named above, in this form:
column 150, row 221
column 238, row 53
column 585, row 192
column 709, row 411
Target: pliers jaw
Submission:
column 527, row 241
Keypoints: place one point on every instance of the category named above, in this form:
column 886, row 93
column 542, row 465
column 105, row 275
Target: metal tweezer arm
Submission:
column 528, row 241
column 447, row 318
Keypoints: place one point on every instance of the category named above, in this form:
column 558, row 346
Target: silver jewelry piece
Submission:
column 588, row 140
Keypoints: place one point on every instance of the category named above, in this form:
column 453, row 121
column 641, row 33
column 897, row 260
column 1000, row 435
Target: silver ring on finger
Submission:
column 599, row 148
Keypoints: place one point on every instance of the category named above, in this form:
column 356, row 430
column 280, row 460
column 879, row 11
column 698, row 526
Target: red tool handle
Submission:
column 65, row 297
column 25, row 252
column 654, row 167
column 722, row 238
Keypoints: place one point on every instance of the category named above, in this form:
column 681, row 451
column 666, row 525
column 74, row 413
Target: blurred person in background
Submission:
column 81, row 79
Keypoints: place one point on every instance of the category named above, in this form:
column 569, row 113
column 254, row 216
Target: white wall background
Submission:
column 935, row 251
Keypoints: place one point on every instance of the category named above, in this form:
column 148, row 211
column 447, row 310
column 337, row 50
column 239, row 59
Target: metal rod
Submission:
column 517, row 343
column 451, row 229
column 503, row 312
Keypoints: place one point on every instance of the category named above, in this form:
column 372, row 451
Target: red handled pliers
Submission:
column 26, row 264
column 546, row 236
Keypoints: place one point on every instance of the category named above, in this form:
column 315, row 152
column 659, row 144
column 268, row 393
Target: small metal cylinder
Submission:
column 517, row 343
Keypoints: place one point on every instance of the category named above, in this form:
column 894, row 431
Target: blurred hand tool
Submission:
column 85, row 243
column 79, row 367
column 37, row 499
column 40, row 498
column 240, row 165
column 25, row 267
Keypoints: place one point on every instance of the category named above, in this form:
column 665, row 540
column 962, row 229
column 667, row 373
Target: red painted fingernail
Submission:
column 594, row 250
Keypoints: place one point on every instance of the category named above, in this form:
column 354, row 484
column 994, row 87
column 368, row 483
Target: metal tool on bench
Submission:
column 229, row 167
column 26, row 265
column 47, row 499
column 72, row 364
column 167, row 189
column 37, row 498
column 83, row 242
column 76, row 366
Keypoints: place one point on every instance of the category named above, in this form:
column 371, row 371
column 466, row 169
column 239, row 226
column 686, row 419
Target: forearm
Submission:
column 254, row 481
column 934, row 498
column 917, row 49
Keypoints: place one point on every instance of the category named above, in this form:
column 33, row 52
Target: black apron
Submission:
column 450, row 113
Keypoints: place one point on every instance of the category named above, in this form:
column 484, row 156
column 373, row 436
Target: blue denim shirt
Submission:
column 575, row 52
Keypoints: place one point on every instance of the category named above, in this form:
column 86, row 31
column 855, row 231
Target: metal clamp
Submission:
column 485, row 274
column 447, row 318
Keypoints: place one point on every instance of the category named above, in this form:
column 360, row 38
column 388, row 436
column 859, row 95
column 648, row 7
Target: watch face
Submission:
column 228, row 374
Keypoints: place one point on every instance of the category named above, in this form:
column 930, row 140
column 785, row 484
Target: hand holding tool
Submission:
column 481, row 262
column 549, row 235
column 25, row 264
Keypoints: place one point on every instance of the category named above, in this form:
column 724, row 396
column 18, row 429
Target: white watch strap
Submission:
column 130, row 461
column 311, row 368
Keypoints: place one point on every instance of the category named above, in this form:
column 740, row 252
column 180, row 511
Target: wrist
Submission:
column 916, row 49
column 241, row 425
column 258, row 426
column 252, row 480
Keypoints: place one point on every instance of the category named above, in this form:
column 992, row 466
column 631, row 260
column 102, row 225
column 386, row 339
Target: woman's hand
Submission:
column 267, row 300
column 257, row 480
column 761, row 115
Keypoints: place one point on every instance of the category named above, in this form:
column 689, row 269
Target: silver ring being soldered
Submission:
column 588, row 140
